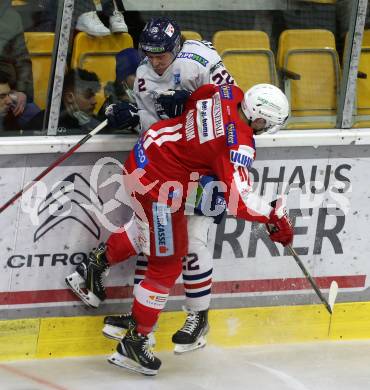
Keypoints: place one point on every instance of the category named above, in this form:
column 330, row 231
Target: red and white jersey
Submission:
column 197, row 63
column 210, row 138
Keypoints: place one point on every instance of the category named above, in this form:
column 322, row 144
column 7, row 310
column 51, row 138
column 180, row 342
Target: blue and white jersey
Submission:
column 197, row 63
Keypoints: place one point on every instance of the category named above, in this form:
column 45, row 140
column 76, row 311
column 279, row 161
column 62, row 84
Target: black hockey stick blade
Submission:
column 333, row 288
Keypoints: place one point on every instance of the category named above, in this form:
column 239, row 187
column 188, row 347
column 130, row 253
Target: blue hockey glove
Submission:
column 211, row 202
column 173, row 102
column 122, row 115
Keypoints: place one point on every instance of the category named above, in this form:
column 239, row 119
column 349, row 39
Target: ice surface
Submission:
column 310, row 366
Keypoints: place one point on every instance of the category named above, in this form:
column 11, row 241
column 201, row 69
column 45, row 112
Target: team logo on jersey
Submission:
column 162, row 230
column 157, row 299
column 189, row 125
column 231, row 137
column 140, row 155
column 194, row 57
column 226, row 92
column 205, row 120
column 176, row 78
column 242, row 157
column 217, row 116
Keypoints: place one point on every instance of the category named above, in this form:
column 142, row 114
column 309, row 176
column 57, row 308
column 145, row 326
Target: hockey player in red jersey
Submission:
column 171, row 68
column 214, row 136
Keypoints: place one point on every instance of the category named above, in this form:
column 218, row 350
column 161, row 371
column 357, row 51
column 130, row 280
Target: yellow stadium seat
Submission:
column 40, row 46
column 240, row 39
column 309, row 64
column 250, row 67
column 366, row 38
column 97, row 54
column 247, row 56
column 195, row 36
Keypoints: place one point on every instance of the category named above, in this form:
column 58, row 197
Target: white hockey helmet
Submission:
column 269, row 103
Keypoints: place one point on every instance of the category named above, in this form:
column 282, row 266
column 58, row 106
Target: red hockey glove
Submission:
column 280, row 226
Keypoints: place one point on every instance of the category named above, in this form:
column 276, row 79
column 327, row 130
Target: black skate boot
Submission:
column 88, row 276
column 115, row 327
column 134, row 353
column 192, row 335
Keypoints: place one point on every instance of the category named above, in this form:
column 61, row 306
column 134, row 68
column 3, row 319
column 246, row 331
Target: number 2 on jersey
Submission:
column 222, row 77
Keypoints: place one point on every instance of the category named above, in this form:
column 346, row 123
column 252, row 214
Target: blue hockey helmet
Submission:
column 160, row 35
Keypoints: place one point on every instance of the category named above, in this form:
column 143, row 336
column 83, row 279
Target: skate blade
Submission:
column 123, row 361
column 74, row 282
column 183, row 348
column 114, row 332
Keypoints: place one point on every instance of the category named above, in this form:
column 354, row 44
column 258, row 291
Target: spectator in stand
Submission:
column 112, row 10
column 78, row 103
column 44, row 15
column 15, row 57
column 7, row 119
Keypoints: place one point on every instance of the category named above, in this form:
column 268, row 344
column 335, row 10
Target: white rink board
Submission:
column 38, row 249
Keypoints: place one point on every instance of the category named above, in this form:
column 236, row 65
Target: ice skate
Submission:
column 115, row 327
column 134, row 353
column 192, row 335
column 86, row 282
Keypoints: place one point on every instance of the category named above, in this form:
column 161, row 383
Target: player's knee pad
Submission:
column 197, row 278
column 198, row 228
column 198, row 265
column 199, row 258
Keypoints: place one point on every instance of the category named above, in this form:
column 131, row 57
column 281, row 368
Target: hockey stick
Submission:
column 54, row 164
column 333, row 291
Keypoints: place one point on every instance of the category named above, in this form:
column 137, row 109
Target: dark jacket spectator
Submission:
column 78, row 103
column 14, row 55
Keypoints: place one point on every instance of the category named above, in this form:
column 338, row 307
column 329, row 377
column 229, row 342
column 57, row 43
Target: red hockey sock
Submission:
column 149, row 301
